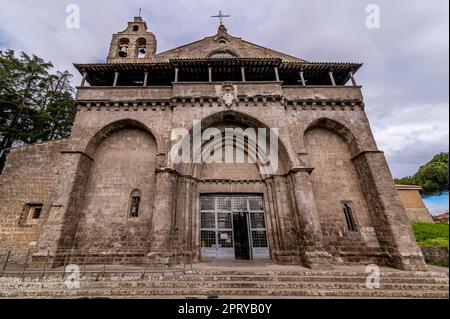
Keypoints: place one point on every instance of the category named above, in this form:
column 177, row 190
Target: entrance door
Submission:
column 241, row 239
column 233, row 226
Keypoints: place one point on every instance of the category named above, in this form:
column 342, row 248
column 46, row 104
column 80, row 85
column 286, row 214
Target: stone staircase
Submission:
column 232, row 284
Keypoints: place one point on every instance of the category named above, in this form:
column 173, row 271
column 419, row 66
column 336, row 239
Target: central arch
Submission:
column 248, row 182
column 234, row 119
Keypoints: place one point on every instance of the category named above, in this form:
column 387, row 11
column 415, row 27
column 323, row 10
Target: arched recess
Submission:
column 124, row 160
column 222, row 54
column 233, row 119
column 336, row 186
column 116, row 126
column 235, row 178
column 338, row 128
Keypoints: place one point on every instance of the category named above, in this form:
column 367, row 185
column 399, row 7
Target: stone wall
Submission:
column 436, row 255
column 414, row 205
column 28, row 178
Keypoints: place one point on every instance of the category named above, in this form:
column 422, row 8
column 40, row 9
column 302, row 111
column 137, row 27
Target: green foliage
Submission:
column 409, row 180
column 35, row 105
column 431, row 235
column 432, row 177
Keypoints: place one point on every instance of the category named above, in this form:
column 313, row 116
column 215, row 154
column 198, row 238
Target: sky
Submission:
column 437, row 204
column 405, row 76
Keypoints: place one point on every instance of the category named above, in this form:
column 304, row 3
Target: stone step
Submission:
column 221, row 284
column 190, row 293
column 233, row 283
column 397, row 274
column 239, row 278
column 124, row 282
column 308, row 279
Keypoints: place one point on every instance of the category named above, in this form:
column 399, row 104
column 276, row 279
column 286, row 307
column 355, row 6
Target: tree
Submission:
column 432, row 177
column 35, row 105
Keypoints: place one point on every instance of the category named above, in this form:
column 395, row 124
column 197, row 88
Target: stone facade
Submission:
column 118, row 153
column 436, row 255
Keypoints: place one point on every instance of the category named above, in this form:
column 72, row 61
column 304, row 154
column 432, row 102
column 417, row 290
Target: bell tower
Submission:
column 134, row 44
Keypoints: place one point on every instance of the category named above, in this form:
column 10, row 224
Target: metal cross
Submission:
column 221, row 16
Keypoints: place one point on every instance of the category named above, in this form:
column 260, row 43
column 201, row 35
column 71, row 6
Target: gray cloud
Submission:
column 405, row 76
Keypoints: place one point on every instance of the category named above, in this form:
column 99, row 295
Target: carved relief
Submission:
column 228, row 94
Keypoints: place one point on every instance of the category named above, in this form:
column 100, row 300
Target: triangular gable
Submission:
column 223, row 42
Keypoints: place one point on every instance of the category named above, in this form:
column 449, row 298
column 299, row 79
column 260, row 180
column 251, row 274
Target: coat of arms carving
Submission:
column 228, row 96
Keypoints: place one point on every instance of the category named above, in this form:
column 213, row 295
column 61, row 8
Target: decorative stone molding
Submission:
column 163, row 104
column 364, row 152
column 123, row 105
column 320, row 104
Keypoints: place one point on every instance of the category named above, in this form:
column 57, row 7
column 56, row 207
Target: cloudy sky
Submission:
column 405, row 74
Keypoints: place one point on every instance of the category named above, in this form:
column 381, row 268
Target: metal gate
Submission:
column 231, row 223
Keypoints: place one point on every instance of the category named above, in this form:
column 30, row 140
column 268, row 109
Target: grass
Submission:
column 431, row 235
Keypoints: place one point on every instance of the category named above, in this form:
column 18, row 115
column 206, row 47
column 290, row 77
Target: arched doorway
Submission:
column 231, row 209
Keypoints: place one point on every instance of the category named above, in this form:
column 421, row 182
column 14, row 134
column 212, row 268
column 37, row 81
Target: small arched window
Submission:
column 222, row 55
column 348, row 213
column 135, row 203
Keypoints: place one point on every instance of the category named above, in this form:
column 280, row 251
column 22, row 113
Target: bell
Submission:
column 142, row 50
column 123, row 51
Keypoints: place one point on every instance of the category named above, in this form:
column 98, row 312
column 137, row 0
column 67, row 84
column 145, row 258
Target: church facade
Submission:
column 114, row 185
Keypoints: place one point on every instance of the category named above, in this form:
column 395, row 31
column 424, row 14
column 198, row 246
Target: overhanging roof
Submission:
column 257, row 69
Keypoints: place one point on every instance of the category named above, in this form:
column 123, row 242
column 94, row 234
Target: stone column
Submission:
column 83, row 80
column 176, row 75
column 60, row 227
column 313, row 252
column 392, row 224
column 277, row 76
column 302, row 78
column 163, row 214
column 145, row 78
column 116, row 78
column 284, row 224
column 352, row 78
column 333, row 82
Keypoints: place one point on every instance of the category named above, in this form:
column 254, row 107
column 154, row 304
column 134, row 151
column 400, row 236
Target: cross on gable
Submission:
column 221, row 16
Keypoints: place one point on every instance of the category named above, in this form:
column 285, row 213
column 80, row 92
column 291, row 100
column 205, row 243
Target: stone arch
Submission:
column 236, row 119
column 123, row 47
column 248, row 148
column 140, row 47
column 115, row 126
column 336, row 183
column 223, row 51
column 338, row 128
column 124, row 157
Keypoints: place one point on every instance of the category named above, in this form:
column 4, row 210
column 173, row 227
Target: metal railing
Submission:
column 96, row 262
